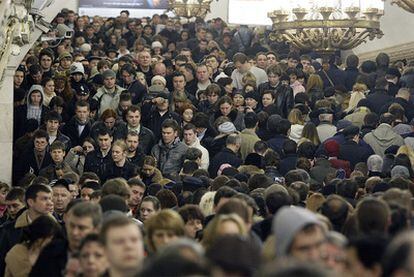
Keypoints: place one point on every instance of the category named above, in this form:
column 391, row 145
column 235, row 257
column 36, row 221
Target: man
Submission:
column 156, row 112
column 65, row 61
column 170, row 151
column 227, row 155
column 79, row 127
column 35, row 157
column 241, row 61
column 39, row 202
column 61, row 198
column 88, row 189
column 248, row 135
column 261, row 60
column 403, row 98
column 279, row 127
column 383, row 136
column 191, row 140
column 380, row 97
column 200, row 35
column 144, row 65
column 52, row 171
column 200, row 51
column 124, row 246
column 100, row 159
column 14, row 203
column 202, row 77
column 298, row 234
column 325, row 128
column 108, row 95
column 53, row 120
column 130, row 83
column 179, row 86
column 45, row 60
column 169, row 33
column 271, row 58
column 81, row 220
column 146, row 136
column 134, row 154
column 212, row 62
column 137, row 193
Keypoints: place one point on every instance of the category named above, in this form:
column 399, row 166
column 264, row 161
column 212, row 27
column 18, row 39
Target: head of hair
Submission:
column 88, row 209
column 117, row 186
column 42, row 227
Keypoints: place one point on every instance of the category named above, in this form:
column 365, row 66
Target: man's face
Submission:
column 188, row 54
column 201, row 34
column 37, row 78
column 104, row 142
column 261, row 61
column 124, row 247
column 308, row 245
column 212, row 62
column 168, row 135
column 202, row 45
column 61, row 198
column 242, row 67
column 77, row 228
column 124, row 105
column 189, row 136
column 18, row 78
column 292, row 63
column 192, row 227
column 52, row 126
column 306, row 65
column 92, row 259
column 144, row 58
column 132, row 143
column 160, row 69
column 40, row 144
column 46, row 62
column 110, row 122
column 74, row 190
column 273, row 79
column 135, row 198
column 66, row 62
column 109, row 82
column 271, row 59
column 202, row 73
column 179, row 83
column 82, row 113
column 133, row 119
column 128, row 78
column 13, row 207
column 42, row 204
column 57, row 155
column 163, row 237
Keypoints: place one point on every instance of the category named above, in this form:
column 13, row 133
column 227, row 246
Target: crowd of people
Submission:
column 148, row 147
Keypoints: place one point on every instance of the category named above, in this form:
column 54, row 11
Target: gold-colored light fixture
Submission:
column 190, row 8
column 326, row 26
column 407, row 5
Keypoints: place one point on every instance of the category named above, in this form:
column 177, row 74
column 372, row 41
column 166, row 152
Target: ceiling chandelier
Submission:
column 326, row 26
column 407, row 5
column 190, row 8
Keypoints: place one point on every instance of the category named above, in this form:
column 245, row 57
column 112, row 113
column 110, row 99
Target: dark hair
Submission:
column 40, row 134
column 128, row 68
column 250, row 120
column 371, row 120
column 88, row 209
column 33, row 190
column 82, row 103
column 167, row 199
column 276, row 200
column 171, row 123
column 41, row 228
column 223, row 192
column 154, row 200
column 52, row 116
column 193, row 154
column 16, row 193
column 90, row 238
column 191, row 212
column 289, row 147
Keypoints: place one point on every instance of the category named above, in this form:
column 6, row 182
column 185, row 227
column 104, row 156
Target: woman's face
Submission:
column 146, row 210
column 238, row 100
column 142, row 80
column 212, row 98
column 110, row 122
column 251, row 103
column 184, row 36
column 229, row 88
column 158, row 83
column 50, row 87
column 118, row 154
column 188, row 115
column 148, row 170
column 162, row 237
column 92, row 259
column 18, row 78
column 87, row 147
column 248, row 89
column 225, row 109
column 267, row 100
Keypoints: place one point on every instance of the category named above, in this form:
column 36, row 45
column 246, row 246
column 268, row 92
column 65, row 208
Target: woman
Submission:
column 62, row 87
column 76, row 155
column 92, row 258
column 314, row 88
column 149, row 172
column 252, row 100
column 225, row 108
column 121, row 167
column 296, row 119
column 183, row 41
column 213, row 93
column 311, row 133
column 358, row 93
column 222, row 225
column 163, row 228
column 150, row 205
column 239, row 101
column 187, row 111
column 20, row 259
column 49, row 90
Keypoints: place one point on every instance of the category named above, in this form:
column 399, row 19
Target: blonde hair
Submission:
column 121, row 144
column 295, row 117
column 211, row 232
column 314, row 81
column 315, row 201
column 207, row 203
column 249, row 78
column 356, row 96
column 405, row 149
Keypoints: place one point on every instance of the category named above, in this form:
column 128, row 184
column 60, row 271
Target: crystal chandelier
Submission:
column 325, row 26
column 190, row 8
column 407, row 5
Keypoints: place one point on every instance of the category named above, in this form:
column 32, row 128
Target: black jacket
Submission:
column 225, row 156
column 127, row 171
column 152, row 119
column 377, row 100
column 70, row 129
column 27, row 163
column 52, row 260
column 351, row 74
column 20, row 120
column 354, row 153
column 137, row 90
column 95, row 162
column 284, row 100
column 146, row 138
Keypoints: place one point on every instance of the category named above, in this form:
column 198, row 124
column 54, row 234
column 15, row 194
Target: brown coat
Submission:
column 17, row 262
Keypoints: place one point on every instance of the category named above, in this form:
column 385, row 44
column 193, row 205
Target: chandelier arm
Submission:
column 409, row 4
column 357, row 40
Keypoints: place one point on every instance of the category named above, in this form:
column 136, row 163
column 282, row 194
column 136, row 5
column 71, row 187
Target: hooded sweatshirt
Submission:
column 34, row 112
column 383, row 137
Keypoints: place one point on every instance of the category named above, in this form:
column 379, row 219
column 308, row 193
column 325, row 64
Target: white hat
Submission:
column 86, row 47
column 158, row 78
column 77, row 67
column 156, row 44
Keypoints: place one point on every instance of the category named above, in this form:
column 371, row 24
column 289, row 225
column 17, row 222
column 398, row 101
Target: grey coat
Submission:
column 170, row 158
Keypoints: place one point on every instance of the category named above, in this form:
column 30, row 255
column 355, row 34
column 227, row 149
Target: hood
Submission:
column 384, row 135
column 32, row 89
column 296, row 132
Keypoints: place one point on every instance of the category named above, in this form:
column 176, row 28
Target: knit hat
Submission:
column 156, row 44
column 254, row 95
column 180, row 97
column 108, row 74
column 192, row 183
column 287, row 223
column 65, row 55
column 227, row 128
column 342, row 124
column 332, row 148
column 155, row 89
column 86, row 47
column 158, row 78
column 163, row 95
column 400, row 171
column 402, row 129
column 253, row 159
column 394, row 72
column 77, row 67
